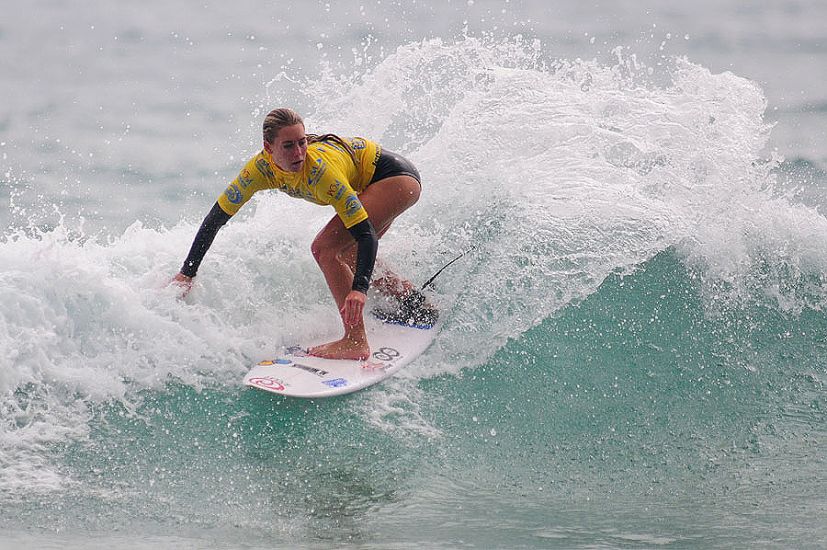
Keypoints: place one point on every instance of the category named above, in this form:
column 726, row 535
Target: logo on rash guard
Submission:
column 265, row 169
column 233, row 194
column 336, row 190
column 244, row 179
column 316, row 172
column 352, row 205
column 358, row 143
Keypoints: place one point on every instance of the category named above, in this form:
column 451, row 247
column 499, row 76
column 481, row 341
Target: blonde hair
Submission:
column 284, row 117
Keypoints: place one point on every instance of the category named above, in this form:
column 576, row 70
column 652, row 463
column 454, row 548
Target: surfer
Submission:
column 367, row 185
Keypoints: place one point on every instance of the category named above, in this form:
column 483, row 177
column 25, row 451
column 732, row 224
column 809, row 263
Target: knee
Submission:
column 324, row 255
column 318, row 251
column 413, row 192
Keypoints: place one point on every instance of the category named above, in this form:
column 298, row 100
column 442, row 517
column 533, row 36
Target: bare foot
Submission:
column 345, row 348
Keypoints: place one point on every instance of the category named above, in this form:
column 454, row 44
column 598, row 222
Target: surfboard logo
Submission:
column 272, row 362
column 268, row 383
column 335, row 383
column 375, row 365
column 307, row 368
column 386, row 354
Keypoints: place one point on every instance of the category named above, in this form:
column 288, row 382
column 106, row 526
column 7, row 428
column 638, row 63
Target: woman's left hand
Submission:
column 353, row 307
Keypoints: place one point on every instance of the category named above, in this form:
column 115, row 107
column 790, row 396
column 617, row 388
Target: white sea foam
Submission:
column 561, row 173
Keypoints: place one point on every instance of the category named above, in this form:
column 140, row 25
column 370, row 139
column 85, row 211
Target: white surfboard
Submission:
column 296, row 374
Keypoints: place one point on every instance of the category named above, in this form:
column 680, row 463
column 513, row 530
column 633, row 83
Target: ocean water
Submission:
column 632, row 355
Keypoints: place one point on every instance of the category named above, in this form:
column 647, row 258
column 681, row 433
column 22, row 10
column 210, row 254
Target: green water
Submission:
column 637, row 418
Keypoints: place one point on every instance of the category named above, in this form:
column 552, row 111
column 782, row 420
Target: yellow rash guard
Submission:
column 328, row 176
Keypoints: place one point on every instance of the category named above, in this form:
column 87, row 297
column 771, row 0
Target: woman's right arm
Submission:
column 203, row 239
column 239, row 191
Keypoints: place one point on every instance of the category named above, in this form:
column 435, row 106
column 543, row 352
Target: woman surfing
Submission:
column 368, row 187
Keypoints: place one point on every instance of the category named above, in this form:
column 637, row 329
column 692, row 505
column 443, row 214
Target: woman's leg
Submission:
column 334, row 250
column 386, row 281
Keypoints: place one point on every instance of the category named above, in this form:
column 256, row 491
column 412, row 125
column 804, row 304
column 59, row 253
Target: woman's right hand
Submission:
column 183, row 282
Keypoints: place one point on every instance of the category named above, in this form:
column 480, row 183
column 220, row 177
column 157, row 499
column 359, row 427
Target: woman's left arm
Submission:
column 367, row 244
